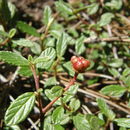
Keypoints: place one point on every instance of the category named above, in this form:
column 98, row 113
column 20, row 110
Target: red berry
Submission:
column 74, row 59
column 79, row 63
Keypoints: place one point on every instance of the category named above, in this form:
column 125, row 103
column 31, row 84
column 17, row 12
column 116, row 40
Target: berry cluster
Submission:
column 79, row 63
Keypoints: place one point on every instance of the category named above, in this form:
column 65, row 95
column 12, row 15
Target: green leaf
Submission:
column 80, row 122
column 127, row 81
column 12, row 9
column 36, row 49
column 94, row 121
column 68, row 95
column 63, row 8
column 53, row 93
column 27, row 29
column 57, row 91
column 122, row 128
column 58, row 127
column 105, row 19
column 49, row 52
column 12, row 32
column 61, row 45
column 51, row 81
column 23, row 42
column 57, row 114
column 105, row 109
column 114, row 72
column 93, row 8
column 14, row 127
column 3, row 33
column 5, row 14
column 41, row 59
column 47, row 16
column 74, row 104
column 115, row 63
column 113, row 90
column 25, row 71
column 48, row 124
column 114, row 4
column 126, row 72
column 79, row 45
column 13, row 58
column 124, row 122
column 19, row 108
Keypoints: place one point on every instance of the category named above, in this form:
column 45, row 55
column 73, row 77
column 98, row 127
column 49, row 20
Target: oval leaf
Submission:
column 19, row 108
column 124, row 122
column 13, row 58
column 113, row 90
column 27, row 29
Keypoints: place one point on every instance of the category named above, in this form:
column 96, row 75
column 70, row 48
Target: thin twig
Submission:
column 106, row 98
column 110, row 39
column 45, row 109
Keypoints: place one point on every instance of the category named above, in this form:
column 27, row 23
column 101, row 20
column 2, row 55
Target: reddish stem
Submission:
column 36, row 79
column 45, row 109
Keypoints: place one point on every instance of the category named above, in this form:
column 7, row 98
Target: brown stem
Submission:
column 36, row 79
column 45, row 109
column 4, row 42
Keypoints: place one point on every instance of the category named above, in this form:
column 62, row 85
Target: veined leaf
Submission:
column 105, row 109
column 79, row 45
column 58, row 114
column 61, row 45
column 27, row 29
column 124, row 122
column 49, row 52
column 113, row 90
column 23, row 42
column 13, row 58
column 19, row 108
column 105, row 19
column 47, row 15
column 80, row 122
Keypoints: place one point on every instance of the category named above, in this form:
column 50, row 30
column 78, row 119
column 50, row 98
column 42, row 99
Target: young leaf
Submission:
column 105, row 109
column 126, row 72
column 114, row 72
column 49, row 52
column 25, row 71
column 114, row 4
column 74, row 104
column 124, row 122
column 93, row 8
column 12, row 32
column 13, row 58
column 41, row 59
column 27, row 29
column 47, row 17
column 58, row 127
column 51, row 81
column 19, row 108
column 113, row 90
column 116, row 63
column 105, row 19
column 61, row 45
column 79, row 45
column 127, row 81
column 63, row 8
column 68, row 95
column 94, row 121
column 47, row 123
column 80, row 122
column 58, row 114
column 23, row 42
column 57, row 91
